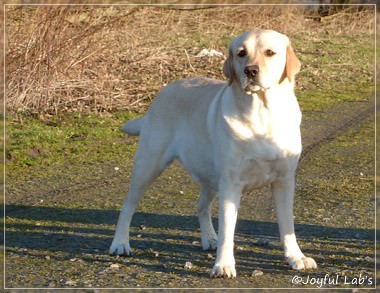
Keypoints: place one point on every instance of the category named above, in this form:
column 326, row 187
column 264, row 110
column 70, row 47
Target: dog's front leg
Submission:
column 229, row 201
column 283, row 193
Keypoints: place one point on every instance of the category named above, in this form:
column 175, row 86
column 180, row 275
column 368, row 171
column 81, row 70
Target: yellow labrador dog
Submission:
column 231, row 137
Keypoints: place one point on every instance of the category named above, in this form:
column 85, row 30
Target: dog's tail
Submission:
column 133, row 127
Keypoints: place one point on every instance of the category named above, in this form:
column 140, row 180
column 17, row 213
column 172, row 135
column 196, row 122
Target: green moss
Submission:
column 74, row 137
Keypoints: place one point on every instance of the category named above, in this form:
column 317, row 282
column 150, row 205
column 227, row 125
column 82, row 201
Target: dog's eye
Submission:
column 269, row 53
column 242, row 53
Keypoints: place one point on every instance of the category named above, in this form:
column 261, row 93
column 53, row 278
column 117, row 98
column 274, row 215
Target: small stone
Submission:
column 369, row 259
column 47, row 257
column 334, row 269
column 181, row 192
column 116, row 168
column 142, row 227
column 188, row 265
column 194, row 242
column 114, row 266
column 262, row 242
column 70, row 283
column 138, row 236
column 156, row 254
column 210, row 256
column 73, row 259
column 257, row 273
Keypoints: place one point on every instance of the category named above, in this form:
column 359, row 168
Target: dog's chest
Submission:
column 264, row 153
column 270, row 125
column 255, row 172
column 266, row 138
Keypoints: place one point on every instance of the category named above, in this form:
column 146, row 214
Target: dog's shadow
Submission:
column 88, row 233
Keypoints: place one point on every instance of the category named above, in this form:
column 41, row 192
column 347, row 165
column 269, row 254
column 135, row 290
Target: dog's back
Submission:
column 178, row 101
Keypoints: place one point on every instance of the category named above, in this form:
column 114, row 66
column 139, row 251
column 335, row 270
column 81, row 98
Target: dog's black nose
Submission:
column 252, row 70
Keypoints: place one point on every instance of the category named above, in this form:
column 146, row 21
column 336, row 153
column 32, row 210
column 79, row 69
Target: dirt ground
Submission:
column 61, row 215
column 62, row 246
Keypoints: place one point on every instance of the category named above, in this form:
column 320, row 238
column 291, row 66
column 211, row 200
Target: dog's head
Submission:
column 259, row 60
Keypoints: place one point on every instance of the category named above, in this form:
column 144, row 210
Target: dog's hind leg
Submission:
column 209, row 237
column 148, row 166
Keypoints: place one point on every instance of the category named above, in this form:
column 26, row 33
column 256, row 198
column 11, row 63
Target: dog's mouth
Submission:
column 254, row 86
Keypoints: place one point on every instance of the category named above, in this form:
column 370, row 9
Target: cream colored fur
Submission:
column 231, row 137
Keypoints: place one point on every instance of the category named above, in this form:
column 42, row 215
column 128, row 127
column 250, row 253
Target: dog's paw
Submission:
column 223, row 271
column 302, row 263
column 120, row 249
column 209, row 243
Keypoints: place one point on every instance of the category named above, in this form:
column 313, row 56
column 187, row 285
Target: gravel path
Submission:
column 59, row 225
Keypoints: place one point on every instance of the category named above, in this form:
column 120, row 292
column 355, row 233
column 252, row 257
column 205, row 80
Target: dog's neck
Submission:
column 258, row 112
column 246, row 102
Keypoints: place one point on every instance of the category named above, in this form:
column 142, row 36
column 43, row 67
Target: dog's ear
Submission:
column 293, row 65
column 228, row 68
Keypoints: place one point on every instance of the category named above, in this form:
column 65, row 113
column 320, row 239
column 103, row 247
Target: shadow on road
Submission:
column 90, row 232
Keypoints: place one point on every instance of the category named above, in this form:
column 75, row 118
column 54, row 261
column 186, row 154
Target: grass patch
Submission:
column 74, row 138
column 337, row 69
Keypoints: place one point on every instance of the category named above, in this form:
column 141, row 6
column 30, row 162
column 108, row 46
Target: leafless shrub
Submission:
column 87, row 58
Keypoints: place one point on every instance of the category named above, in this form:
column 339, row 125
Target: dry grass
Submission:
column 84, row 58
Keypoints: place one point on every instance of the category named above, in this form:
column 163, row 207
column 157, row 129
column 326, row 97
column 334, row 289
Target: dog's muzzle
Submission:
column 251, row 83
